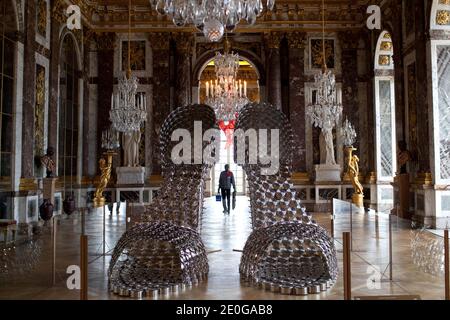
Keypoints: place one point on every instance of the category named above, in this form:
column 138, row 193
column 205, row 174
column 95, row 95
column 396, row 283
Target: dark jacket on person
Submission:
column 226, row 180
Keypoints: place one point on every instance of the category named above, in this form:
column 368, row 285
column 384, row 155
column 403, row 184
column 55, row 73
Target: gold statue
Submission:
column 353, row 173
column 105, row 168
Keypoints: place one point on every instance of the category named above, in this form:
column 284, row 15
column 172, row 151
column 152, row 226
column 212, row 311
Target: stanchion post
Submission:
column 446, row 266
column 83, row 210
column 351, row 226
column 84, row 267
column 54, row 251
column 347, row 266
column 104, row 230
column 332, row 219
column 390, row 248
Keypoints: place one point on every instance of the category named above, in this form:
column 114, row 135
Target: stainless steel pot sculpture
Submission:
column 165, row 253
column 287, row 251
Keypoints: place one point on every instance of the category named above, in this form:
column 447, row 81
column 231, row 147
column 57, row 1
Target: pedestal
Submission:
column 401, row 195
column 358, row 200
column 130, row 175
column 49, row 187
column 328, row 173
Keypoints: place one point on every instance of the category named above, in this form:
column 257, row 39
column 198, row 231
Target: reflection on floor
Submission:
column 226, row 233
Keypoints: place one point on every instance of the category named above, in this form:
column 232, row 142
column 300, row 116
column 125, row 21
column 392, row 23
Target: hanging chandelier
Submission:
column 128, row 109
column 226, row 94
column 326, row 111
column 212, row 17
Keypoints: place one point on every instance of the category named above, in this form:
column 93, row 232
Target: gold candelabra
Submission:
column 105, row 168
column 353, row 174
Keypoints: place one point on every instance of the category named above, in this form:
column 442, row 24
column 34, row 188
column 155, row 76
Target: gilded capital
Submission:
column 104, row 40
column 59, row 11
column 273, row 40
column 159, row 41
column 296, row 40
column 184, row 42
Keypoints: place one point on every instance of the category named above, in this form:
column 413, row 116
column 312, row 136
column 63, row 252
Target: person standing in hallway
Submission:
column 226, row 180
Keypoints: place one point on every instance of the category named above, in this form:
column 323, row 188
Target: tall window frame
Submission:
column 8, row 29
column 385, row 131
column 69, row 108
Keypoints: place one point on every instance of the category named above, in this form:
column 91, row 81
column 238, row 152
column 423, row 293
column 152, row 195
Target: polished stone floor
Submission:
column 224, row 237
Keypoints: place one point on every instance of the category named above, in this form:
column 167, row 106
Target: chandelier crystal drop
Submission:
column 212, row 17
column 226, row 94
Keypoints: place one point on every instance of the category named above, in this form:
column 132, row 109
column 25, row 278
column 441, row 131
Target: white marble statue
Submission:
column 327, row 132
column 325, row 119
column 131, row 143
column 326, row 112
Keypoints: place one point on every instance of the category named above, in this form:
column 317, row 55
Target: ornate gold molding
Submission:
column 296, row 40
column 28, row 184
column 443, row 17
column 104, row 40
column 300, row 177
column 59, row 10
column 386, row 46
column 39, row 111
column 424, row 178
column 273, row 39
column 159, row 41
column 384, row 60
column 42, row 17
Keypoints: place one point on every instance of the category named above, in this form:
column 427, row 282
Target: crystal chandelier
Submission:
column 128, row 109
column 326, row 111
column 110, row 139
column 212, row 17
column 348, row 133
column 226, row 94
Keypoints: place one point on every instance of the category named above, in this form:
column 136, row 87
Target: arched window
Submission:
column 385, row 108
column 7, row 79
column 68, row 109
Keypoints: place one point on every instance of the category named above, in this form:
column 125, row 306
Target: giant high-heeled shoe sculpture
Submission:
column 165, row 252
column 287, row 251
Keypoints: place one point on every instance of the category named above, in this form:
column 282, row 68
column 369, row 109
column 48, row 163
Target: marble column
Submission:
column 397, row 42
column 86, row 102
column 105, row 60
column 284, row 77
column 29, row 85
column 297, row 43
column 55, row 44
column 161, row 95
column 273, row 41
column 349, row 47
column 371, row 161
column 183, row 75
column 425, row 148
